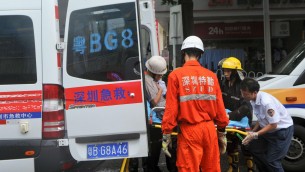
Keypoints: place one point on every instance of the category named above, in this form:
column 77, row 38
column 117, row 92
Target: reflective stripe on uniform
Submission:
column 197, row 97
column 234, row 97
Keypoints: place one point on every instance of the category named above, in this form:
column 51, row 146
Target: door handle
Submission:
column 291, row 99
column 24, row 127
column 132, row 95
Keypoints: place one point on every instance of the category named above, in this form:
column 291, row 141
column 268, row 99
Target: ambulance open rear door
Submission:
column 102, row 76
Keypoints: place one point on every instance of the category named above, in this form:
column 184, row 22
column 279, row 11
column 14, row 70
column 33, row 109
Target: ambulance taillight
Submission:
column 53, row 122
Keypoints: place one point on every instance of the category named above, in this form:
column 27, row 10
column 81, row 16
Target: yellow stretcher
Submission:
column 231, row 130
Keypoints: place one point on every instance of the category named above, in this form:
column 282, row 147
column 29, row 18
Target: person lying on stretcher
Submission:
column 242, row 124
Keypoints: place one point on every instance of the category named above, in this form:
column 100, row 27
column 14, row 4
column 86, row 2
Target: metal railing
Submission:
column 250, row 74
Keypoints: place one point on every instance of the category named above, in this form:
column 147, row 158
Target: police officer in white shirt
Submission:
column 270, row 138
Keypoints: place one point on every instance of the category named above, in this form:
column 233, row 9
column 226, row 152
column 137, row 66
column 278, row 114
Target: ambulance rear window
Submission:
column 103, row 43
column 17, row 50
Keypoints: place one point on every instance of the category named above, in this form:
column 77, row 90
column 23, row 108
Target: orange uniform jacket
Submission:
column 193, row 96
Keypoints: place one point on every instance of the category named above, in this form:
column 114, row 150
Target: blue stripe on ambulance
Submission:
column 294, row 105
column 20, row 115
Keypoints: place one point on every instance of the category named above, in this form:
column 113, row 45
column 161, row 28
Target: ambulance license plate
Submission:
column 107, row 150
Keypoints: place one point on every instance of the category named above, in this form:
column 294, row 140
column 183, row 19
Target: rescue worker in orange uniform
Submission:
column 240, row 110
column 194, row 103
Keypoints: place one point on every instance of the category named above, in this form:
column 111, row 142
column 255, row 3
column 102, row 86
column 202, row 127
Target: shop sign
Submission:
column 229, row 30
column 280, row 29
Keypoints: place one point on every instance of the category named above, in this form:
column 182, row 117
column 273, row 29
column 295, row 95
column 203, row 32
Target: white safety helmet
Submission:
column 192, row 42
column 156, row 65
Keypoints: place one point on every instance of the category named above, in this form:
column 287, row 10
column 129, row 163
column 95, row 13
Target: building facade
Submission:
column 236, row 28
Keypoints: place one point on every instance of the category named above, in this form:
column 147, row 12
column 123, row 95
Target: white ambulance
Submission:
column 287, row 83
column 81, row 97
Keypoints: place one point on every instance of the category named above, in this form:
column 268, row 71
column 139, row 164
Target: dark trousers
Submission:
column 150, row 163
column 233, row 152
column 171, row 161
column 269, row 149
